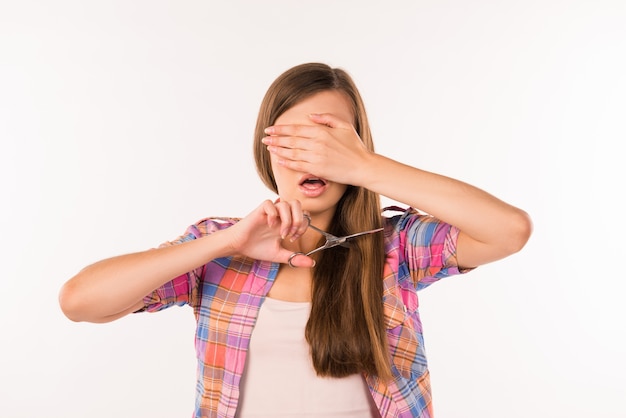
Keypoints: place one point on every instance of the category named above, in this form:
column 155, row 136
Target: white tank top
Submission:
column 279, row 379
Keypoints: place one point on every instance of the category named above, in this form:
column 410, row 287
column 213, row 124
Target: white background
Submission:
column 122, row 122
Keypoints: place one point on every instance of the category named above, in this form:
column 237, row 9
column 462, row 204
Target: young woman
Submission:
column 335, row 332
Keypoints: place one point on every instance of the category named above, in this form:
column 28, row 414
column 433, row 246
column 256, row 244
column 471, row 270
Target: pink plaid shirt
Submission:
column 226, row 294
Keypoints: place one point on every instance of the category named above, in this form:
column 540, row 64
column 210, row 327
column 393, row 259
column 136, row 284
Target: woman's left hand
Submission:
column 330, row 149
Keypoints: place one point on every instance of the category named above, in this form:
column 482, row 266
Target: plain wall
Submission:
column 122, row 122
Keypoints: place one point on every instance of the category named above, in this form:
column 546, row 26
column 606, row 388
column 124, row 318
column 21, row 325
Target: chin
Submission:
column 319, row 204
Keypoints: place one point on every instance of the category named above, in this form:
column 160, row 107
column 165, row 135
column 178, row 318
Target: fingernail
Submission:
column 269, row 130
column 266, row 140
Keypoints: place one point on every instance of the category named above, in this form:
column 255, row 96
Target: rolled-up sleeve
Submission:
column 429, row 248
column 183, row 289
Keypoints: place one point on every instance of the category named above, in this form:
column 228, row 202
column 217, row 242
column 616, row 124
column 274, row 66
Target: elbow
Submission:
column 521, row 228
column 80, row 303
column 70, row 302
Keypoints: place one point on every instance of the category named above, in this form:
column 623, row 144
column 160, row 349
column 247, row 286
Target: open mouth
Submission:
column 311, row 182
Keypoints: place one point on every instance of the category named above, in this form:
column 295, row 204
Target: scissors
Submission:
column 331, row 240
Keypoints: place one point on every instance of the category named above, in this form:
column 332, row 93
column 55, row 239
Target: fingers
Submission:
column 292, row 221
column 308, row 131
column 271, row 213
column 291, row 131
column 301, row 147
column 300, row 136
column 289, row 215
column 296, row 146
column 292, row 225
column 329, row 120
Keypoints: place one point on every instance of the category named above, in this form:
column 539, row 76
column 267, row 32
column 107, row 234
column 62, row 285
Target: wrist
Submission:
column 366, row 172
column 219, row 244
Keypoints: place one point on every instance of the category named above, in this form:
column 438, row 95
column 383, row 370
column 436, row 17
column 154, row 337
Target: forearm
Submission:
column 480, row 215
column 110, row 288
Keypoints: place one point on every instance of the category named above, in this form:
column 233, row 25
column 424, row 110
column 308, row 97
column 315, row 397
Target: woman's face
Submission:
column 315, row 194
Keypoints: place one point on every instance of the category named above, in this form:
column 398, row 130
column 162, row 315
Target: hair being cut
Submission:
column 346, row 329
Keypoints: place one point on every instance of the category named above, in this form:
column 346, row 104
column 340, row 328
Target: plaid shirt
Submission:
column 226, row 295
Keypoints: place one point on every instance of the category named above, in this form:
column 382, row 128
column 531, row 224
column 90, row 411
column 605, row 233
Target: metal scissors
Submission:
column 331, row 240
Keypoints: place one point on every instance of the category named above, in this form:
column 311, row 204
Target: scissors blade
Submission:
column 345, row 240
column 358, row 234
column 333, row 241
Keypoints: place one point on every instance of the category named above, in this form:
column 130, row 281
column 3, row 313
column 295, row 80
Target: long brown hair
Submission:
column 346, row 328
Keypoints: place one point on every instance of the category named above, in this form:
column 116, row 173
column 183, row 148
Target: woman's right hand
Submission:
column 261, row 233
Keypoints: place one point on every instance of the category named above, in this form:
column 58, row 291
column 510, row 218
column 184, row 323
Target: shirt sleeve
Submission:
column 183, row 289
column 429, row 248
